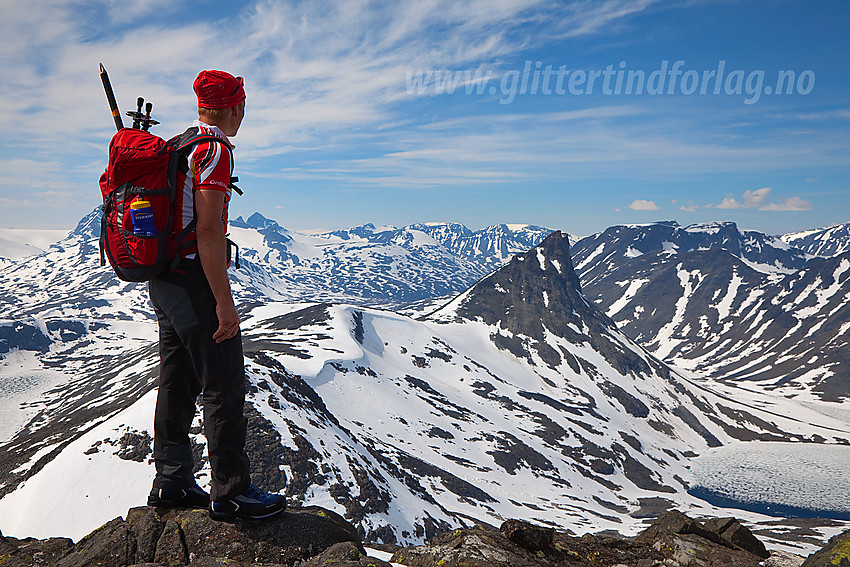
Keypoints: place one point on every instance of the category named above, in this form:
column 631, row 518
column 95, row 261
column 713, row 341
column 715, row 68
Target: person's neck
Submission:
column 207, row 121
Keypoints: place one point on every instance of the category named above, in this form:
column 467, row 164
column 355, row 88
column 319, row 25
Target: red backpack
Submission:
column 138, row 190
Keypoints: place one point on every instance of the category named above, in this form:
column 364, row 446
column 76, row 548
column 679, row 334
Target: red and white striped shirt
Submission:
column 210, row 168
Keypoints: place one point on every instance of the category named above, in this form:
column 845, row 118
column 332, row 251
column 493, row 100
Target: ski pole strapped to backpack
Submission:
column 138, row 190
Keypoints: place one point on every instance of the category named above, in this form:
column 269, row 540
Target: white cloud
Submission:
column 751, row 199
column 756, row 198
column 789, row 204
column 759, row 199
column 643, row 205
column 728, row 203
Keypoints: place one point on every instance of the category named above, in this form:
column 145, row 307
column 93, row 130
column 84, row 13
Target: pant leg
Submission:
column 225, row 425
column 189, row 305
column 179, row 387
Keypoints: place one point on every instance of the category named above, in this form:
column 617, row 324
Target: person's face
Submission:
column 235, row 119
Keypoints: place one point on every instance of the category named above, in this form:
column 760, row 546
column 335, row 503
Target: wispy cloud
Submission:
column 584, row 18
column 837, row 114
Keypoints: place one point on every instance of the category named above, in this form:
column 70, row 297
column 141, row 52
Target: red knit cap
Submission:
column 217, row 89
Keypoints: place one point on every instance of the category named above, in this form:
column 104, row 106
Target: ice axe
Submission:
column 110, row 98
column 141, row 120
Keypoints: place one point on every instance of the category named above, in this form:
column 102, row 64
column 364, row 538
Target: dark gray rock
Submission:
column 672, row 522
column 345, row 554
column 735, row 533
column 315, row 537
column 476, row 546
column 152, row 536
column 529, row 536
column 111, row 545
column 692, row 550
column 23, row 336
column 30, row 552
column 728, row 532
column 722, row 541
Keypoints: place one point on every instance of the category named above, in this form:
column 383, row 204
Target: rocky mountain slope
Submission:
column 732, row 305
column 828, row 241
column 518, row 399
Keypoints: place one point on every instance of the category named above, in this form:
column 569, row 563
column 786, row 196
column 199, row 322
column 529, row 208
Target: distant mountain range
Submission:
column 732, row 305
column 530, row 392
column 374, row 266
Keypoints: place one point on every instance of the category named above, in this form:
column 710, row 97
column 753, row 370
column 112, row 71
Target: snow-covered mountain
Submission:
column 728, row 304
column 373, row 266
column 829, row 241
column 595, row 254
column 519, row 398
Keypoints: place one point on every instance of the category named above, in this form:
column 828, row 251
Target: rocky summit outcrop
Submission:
column 673, row 540
column 310, row 536
column 315, row 537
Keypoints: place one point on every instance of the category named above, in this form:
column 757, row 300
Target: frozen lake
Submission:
column 22, row 382
column 782, row 479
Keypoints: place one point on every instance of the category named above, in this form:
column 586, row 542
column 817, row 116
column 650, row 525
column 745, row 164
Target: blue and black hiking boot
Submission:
column 252, row 504
column 186, row 497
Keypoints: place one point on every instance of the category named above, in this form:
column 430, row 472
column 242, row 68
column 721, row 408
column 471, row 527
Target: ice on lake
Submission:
column 790, row 479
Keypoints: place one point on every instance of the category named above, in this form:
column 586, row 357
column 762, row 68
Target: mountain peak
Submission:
column 529, row 281
column 256, row 221
column 536, row 293
column 536, row 297
column 89, row 225
column 527, row 288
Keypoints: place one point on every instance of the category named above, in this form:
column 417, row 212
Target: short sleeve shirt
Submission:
column 210, row 168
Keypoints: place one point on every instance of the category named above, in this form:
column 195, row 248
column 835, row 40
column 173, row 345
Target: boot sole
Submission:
column 224, row 516
column 166, row 504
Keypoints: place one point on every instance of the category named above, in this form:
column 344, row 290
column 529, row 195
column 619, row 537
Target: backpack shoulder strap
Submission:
column 192, row 136
column 188, row 139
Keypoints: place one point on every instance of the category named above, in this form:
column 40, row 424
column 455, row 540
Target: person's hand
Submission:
column 228, row 322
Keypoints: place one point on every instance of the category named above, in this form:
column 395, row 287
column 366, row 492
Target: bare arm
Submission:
column 212, row 250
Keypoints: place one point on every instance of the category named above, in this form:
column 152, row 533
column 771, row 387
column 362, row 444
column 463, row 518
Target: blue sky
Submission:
column 592, row 114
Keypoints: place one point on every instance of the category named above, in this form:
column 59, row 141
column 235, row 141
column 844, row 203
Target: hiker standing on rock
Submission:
column 200, row 344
